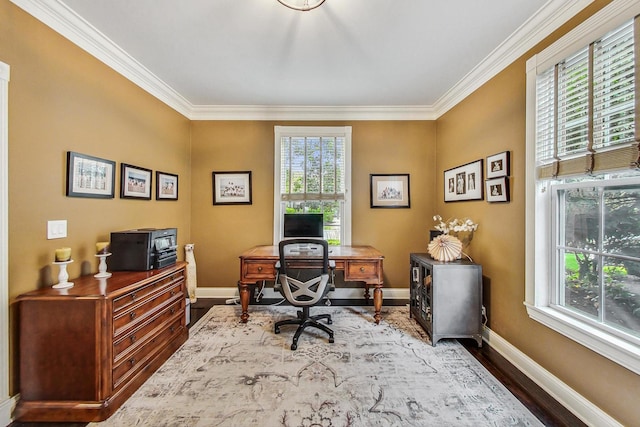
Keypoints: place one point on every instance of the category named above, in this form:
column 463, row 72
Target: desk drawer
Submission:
column 360, row 270
column 260, row 270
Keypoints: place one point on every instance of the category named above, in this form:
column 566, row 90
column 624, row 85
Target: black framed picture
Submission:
column 166, row 186
column 89, row 176
column 499, row 165
column 497, row 190
column 135, row 182
column 232, row 188
column 464, row 182
column 389, row 190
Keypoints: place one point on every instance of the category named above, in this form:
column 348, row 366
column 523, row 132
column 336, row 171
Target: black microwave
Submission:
column 143, row 249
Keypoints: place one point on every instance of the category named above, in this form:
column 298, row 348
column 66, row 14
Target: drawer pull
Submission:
column 132, row 338
column 132, row 315
column 172, row 329
column 173, row 310
column 133, row 296
column 132, row 361
column 361, row 269
column 173, row 292
column 259, row 269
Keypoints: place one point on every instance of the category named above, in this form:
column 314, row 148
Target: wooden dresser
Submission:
column 84, row 350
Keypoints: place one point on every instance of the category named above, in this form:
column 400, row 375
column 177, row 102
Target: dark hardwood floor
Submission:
column 544, row 407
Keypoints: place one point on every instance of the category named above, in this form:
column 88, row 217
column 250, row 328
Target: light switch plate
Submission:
column 57, row 229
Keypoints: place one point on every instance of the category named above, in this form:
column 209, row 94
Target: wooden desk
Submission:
column 359, row 263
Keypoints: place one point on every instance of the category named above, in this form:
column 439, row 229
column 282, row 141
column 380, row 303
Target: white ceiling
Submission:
column 207, row 56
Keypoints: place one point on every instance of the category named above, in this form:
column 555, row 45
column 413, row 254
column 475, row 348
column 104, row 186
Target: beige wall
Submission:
column 489, row 121
column 221, row 233
column 61, row 99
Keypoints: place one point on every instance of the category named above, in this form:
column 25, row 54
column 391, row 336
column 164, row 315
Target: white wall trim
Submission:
column 312, row 113
column 339, row 293
column 5, row 402
column 565, row 395
column 65, row 21
column 6, row 409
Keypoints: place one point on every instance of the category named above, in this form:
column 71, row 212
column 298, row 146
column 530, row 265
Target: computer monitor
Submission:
column 303, row 225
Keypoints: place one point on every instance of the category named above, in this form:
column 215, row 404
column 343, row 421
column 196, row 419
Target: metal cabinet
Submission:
column 446, row 297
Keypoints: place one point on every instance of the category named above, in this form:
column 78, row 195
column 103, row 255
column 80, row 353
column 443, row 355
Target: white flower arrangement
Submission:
column 454, row 225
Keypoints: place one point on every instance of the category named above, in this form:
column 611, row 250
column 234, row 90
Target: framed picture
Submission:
column 463, row 182
column 497, row 189
column 232, row 188
column 135, row 182
column 390, row 191
column 89, row 176
column 166, row 186
column 498, row 165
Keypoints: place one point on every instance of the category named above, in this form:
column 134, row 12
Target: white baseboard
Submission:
column 582, row 408
column 6, row 409
column 339, row 293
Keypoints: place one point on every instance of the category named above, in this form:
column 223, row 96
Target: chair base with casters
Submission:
column 308, row 289
column 304, row 320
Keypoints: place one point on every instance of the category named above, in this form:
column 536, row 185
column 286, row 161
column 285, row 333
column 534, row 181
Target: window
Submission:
column 312, row 174
column 583, row 185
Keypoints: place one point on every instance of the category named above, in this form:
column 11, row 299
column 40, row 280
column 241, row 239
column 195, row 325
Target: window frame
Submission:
column 540, row 224
column 312, row 131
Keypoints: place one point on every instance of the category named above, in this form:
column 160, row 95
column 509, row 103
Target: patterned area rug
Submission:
column 234, row 374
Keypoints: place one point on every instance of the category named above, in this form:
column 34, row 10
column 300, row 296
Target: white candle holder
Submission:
column 63, row 276
column 102, row 267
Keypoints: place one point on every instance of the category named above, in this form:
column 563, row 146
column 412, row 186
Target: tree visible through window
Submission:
column 599, row 254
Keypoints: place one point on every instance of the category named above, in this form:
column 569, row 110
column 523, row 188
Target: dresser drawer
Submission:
column 260, row 270
column 142, row 333
column 139, row 294
column 140, row 312
column 132, row 364
column 360, row 270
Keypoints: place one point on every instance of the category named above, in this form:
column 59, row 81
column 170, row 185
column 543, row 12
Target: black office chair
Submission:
column 305, row 276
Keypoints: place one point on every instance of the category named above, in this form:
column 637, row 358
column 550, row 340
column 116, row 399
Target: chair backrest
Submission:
column 303, row 270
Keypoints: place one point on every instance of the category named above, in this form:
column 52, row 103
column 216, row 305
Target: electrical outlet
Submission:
column 57, row 229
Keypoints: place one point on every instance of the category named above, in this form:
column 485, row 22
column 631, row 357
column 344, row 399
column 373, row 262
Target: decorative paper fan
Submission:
column 445, row 248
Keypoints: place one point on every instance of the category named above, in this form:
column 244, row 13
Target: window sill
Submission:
column 623, row 352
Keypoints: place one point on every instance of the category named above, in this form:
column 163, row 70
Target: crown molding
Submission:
column 69, row 24
column 546, row 20
column 311, row 113
column 66, row 22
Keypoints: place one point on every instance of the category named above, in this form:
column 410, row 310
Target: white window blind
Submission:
column 586, row 108
column 312, row 168
column 573, row 104
column 613, row 89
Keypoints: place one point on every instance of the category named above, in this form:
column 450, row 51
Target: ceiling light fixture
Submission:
column 303, row 5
